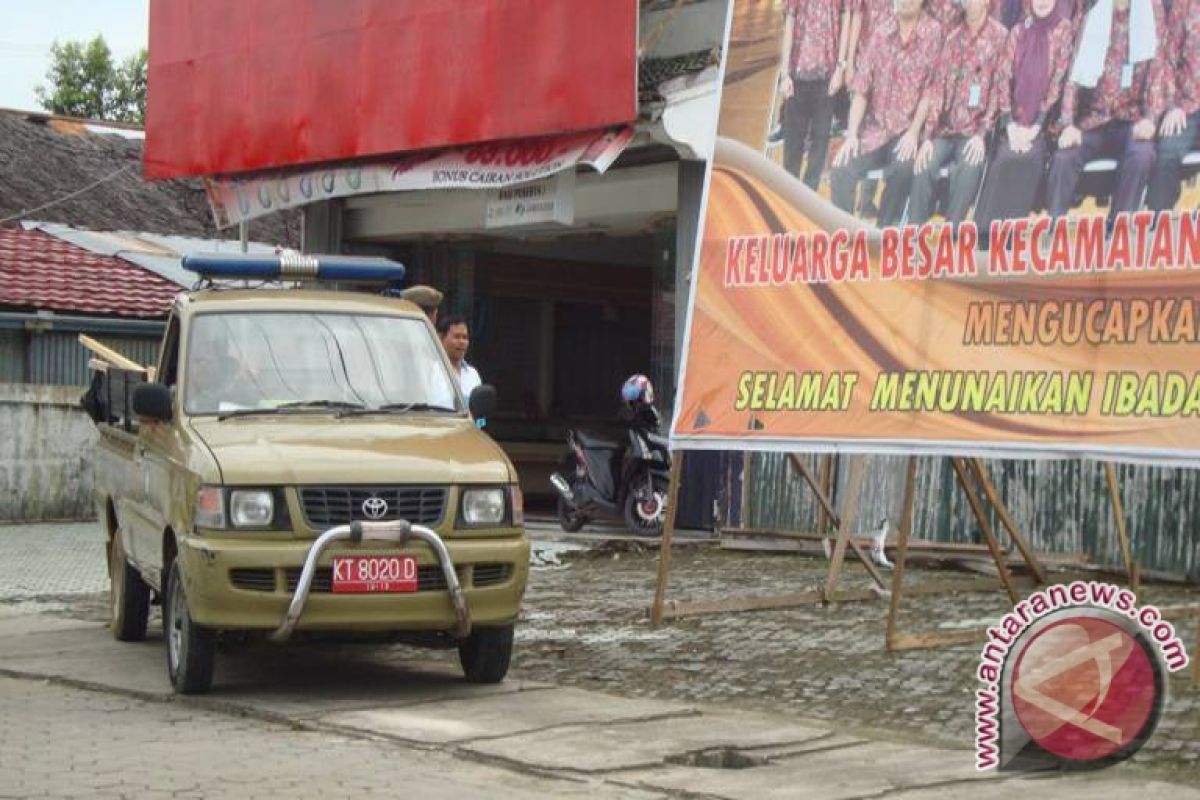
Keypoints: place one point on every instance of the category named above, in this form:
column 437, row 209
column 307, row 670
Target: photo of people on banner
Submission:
column 952, row 226
column 990, row 109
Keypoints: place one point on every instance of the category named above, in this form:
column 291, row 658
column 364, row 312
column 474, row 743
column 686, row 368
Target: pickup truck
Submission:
column 303, row 462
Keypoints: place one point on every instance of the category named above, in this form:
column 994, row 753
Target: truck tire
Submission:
column 191, row 650
column 128, row 596
column 486, row 653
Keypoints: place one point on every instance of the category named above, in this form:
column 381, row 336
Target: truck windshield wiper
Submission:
column 320, row 404
column 291, row 407
column 395, row 408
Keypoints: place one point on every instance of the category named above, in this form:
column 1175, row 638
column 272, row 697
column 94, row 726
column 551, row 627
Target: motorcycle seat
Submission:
column 592, row 442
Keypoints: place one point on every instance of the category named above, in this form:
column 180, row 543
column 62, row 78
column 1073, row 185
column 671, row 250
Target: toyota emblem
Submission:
column 375, row 507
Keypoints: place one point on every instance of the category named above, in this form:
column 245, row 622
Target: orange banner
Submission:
column 808, row 328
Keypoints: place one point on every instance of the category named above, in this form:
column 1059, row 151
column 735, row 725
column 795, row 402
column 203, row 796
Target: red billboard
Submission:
column 237, row 86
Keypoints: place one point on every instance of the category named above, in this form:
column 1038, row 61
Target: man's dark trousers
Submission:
column 1135, row 159
column 897, row 181
column 1163, row 193
column 807, row 118
column 965, row 178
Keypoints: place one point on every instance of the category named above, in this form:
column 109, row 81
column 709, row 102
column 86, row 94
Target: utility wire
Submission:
column 67, row 197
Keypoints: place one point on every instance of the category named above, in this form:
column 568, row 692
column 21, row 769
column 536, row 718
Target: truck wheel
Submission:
column 191, row 650
column 486, row 653
column 128, row 596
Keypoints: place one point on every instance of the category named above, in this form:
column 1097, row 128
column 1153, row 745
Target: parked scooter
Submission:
column 626, row 479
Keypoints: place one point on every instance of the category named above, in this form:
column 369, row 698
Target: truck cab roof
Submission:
column 288, row 299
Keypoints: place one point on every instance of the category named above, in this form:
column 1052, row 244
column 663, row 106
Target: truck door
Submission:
column 157, row 459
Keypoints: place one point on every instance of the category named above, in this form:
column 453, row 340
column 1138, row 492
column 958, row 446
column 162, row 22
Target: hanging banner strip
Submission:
column 487, row 166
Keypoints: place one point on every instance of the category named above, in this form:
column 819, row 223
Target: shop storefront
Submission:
column 569, row 288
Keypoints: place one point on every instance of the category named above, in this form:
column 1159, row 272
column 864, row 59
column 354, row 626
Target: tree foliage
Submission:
column 85, row 81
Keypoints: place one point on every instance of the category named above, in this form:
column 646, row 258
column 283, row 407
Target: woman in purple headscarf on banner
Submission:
column 1039, row 57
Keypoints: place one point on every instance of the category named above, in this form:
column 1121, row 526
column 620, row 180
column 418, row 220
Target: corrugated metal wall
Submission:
column 57, row 359
column 12, row 356
column 1061, row 506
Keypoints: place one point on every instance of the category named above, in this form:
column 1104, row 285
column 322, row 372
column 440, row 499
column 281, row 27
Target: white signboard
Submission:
column 547, row 200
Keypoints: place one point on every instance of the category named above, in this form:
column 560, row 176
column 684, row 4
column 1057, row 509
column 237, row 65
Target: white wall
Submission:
column 46, row 447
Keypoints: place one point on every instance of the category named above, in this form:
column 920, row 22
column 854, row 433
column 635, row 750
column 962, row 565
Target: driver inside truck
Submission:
column 221, row 379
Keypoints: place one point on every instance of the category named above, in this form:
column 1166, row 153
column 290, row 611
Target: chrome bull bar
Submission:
column 398, row 532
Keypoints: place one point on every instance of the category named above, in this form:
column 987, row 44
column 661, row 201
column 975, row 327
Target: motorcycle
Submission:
column 606, row 477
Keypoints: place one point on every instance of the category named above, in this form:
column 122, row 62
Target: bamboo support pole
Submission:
column 1114, row 493
column 1007, row 521
column 664, row 552
column 906, row 514
column 858, row 471
column 827, row 508
column 964, row 481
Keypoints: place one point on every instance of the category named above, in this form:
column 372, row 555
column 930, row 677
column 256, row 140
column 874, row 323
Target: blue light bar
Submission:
column 294, row 266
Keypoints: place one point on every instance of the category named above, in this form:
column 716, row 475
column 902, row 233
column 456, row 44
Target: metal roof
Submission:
column 158, row 253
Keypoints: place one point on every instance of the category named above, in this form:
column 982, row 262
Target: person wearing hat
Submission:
column 427, row 297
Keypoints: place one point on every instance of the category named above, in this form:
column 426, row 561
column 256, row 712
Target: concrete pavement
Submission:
column 73, row 743
column 86, row 715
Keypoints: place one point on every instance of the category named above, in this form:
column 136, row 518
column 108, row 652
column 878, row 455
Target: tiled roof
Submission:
column 38, row 271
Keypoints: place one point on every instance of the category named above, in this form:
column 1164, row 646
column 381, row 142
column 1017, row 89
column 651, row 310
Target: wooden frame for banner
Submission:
column 1114, row 493
column 964, row 470
column 966, row 474
column 972, row 479
column 827, row 594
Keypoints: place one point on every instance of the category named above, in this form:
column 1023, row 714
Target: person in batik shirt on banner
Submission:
column 1180, row 130
column 964, row 102
column 888, row 110
column 812, row 70
column 1038, row 57
column 865, row 18
column 1112, row 102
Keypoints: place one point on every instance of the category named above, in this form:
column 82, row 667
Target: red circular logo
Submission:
column 1085, row 689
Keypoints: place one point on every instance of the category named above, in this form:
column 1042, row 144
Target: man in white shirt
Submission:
column 456, row 339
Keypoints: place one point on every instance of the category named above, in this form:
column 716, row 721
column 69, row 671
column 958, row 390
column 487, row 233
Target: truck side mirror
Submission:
column 152, row 401
column 482, row 401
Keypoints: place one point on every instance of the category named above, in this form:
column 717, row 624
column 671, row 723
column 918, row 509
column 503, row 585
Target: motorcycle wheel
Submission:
column 645, row 508
column 569, row 519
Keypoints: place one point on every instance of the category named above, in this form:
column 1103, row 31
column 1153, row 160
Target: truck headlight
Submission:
column 210, row 507
column 483, row 506
column 251, row 508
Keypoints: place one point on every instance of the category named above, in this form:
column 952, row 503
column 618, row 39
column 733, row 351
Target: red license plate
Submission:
column 362, row 574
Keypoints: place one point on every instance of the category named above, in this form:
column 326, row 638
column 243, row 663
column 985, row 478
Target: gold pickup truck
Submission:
column 305, row 462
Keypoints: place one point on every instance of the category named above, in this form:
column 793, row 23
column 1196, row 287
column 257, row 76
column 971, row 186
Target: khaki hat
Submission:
column 424, row 296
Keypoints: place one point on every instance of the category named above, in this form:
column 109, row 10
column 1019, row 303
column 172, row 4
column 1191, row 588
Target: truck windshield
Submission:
column 302, row 360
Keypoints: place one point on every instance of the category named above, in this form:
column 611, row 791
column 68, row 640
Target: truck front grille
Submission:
column 327, row 506
column 491, row 574
column 253, row 580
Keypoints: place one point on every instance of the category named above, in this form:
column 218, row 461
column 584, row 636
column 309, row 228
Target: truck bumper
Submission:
column 249, row 585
